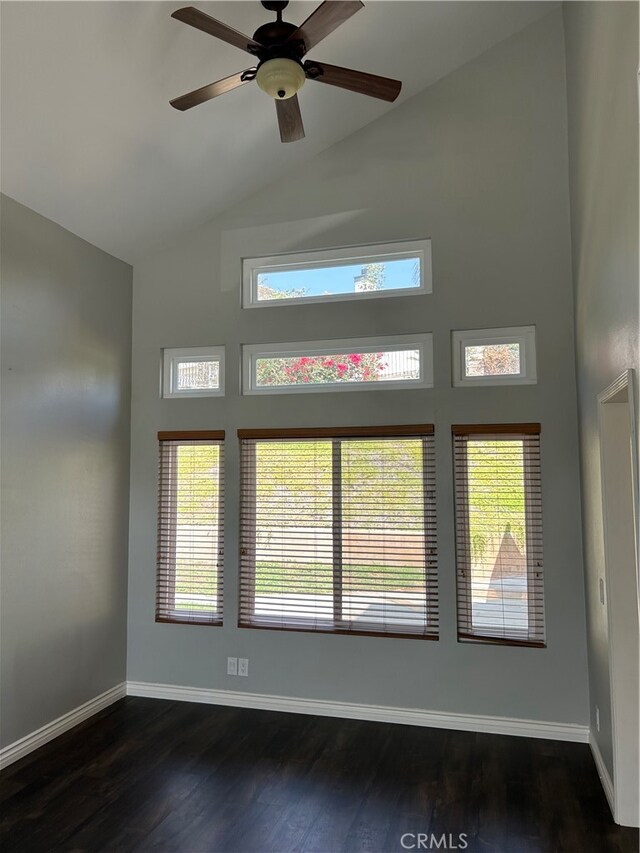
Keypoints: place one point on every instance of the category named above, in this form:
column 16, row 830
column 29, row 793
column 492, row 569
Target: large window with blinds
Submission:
column 499, row 533
column 338, row 531
column 190, row 528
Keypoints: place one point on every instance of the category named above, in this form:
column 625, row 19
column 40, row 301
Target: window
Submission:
column 495, row 356
column 190, row 528
column 499, row 533
column 339, row 365
column 329, row 275
column 193, row 372
column 338, row 531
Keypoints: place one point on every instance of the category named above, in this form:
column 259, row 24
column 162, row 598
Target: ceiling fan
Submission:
column 281, row 72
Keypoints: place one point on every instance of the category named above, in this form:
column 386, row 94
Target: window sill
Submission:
column 331, row 630
column 181, row 620
column 500, row 641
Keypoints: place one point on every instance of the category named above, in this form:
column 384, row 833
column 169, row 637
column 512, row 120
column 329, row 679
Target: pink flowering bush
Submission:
column 348, row 367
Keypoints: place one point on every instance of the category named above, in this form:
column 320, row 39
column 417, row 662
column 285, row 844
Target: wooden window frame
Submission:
column 533, row 533
column 336, row 435
column 166, row 612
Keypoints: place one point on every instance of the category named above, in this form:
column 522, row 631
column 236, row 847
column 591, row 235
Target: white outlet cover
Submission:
column 232, row 666
column 243, row 666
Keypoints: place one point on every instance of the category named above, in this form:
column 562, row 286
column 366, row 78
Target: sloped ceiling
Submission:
column 90, row 141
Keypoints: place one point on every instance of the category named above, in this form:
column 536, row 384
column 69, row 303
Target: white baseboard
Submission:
column 19, row 748
column 380, row 713
column 603, row 773
column 347, row 710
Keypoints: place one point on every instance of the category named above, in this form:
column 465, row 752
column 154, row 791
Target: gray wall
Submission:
column 66, row 351
column 602, row 92
column 478, row 162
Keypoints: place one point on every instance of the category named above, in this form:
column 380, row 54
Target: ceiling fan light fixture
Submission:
column 281, row 78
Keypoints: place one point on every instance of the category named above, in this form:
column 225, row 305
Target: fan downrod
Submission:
column 272, row 35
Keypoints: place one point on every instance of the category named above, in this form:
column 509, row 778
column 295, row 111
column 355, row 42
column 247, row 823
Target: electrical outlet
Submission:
column 243, row 666
column 232, row 666
column 597, row 718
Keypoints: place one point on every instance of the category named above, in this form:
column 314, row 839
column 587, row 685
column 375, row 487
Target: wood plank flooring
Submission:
column 152, row 775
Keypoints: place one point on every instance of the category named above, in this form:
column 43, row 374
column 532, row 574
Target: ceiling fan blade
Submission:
column 324, row 20
column 196, row 18
column 290, row 119
column 356, row 81
column 199, row 96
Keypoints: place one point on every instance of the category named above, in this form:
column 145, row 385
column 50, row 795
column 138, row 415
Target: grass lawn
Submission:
column 276, row 578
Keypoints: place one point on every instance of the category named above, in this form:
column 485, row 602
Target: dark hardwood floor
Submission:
column 151, row 775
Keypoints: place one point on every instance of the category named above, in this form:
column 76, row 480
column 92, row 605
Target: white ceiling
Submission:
column 90, row 141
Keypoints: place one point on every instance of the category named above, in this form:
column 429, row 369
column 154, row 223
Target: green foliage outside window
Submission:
column 495, row 474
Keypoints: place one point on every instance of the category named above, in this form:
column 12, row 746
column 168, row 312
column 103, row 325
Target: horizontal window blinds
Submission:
column 338, row 531
column 190, row 528
column 499, row 533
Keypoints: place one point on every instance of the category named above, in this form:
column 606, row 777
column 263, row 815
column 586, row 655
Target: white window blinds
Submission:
column 499, row 533
column 190, row 528
column 338, row 530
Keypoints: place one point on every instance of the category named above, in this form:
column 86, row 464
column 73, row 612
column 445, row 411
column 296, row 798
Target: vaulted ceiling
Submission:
column 90, row 141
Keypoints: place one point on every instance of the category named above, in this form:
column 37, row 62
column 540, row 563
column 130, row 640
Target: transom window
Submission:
column 339, row 365
column 338, row 530
column 494, row 356
column 366, row 272
column 193, row 372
